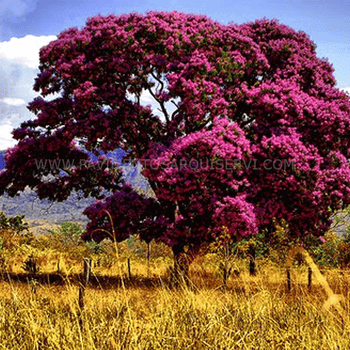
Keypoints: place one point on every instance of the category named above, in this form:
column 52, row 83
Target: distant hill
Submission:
column 2, row 159
column 72, row 209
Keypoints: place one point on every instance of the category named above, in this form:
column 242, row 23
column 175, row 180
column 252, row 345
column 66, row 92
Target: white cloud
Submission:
column 13, row 101
column 24, row 51
column 6, row 140
column 146, row 98
column 19, row 61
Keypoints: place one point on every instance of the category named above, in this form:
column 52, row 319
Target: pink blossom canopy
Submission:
column 254, row 95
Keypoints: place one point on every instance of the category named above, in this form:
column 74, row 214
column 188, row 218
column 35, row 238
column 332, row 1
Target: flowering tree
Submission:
column 251, row 128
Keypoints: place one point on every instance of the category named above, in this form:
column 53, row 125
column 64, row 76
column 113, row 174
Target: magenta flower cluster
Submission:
column 250, row 91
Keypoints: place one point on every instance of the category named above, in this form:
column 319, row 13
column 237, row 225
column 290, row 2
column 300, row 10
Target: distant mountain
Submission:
column 116, row 155
column 72, row 209
column 29, row 205
column 2, row 159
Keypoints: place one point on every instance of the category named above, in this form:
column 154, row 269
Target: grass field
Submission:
column 145, row 312
column 40, row 309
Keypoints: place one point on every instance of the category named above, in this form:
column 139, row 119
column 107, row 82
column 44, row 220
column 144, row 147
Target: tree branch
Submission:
column 161, row 103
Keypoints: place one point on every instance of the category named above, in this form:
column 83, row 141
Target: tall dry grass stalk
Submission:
column 332, row 299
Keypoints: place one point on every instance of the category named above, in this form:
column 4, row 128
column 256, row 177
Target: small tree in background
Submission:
column 238, row 104
column 13, row 225
column 224, row 248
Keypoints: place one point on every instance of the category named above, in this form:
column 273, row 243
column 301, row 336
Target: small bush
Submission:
column 69, row 233
column 13, row 225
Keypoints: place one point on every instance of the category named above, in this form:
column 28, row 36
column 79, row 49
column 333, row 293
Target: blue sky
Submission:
column 26, row 25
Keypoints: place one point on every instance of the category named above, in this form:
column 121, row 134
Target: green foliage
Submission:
column 67, row 239
column 134, row 246
column 68, row 232
column 95, row 248
column 332, row 252
column 327, row 254
column 14, row 225
column 14, row 232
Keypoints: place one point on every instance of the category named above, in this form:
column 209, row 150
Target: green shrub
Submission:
column 68, row 233
column 13, row 225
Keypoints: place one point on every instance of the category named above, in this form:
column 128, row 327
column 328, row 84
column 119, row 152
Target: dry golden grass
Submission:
column 146, row 313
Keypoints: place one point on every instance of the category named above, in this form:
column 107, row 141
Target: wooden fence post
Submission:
column 148, row 273
column 84, row 281
column 309, row 277
column 129, row 269
column 289, row 287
